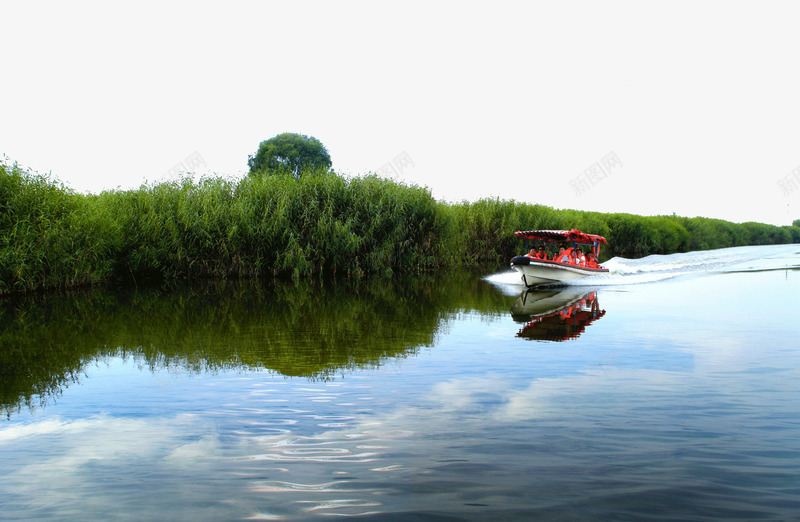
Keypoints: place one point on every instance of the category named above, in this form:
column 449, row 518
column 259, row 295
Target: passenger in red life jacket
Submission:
column 531, row 254
column 591, row 262
column 541, row 254
column 576, row 258
column 563, row 255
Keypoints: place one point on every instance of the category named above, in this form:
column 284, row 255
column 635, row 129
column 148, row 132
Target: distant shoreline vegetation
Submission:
column 319, row 224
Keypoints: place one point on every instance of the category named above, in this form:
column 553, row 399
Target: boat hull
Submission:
column 534, row 272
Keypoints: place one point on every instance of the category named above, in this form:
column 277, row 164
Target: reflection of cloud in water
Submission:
column 468, row 394
column 502, row 401
column 194, row 454
column 78, row 459
column 465, row 442
column 442, row 448
column 377, row 452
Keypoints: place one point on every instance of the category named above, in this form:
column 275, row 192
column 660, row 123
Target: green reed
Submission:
column 50, row 237
column 320, row 225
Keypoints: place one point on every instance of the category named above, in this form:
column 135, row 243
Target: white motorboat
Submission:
column 552, row 269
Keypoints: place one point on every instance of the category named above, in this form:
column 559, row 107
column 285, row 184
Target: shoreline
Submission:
column 321, row 226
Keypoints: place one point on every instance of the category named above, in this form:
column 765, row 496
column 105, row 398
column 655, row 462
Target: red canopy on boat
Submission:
column 573, row 235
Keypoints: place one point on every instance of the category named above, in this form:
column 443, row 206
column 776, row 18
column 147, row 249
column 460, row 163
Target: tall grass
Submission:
column 272, row 226
column 277, row 226
column 50, row 237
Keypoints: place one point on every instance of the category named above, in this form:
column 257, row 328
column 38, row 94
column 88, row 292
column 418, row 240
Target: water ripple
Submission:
column 342, row 507
column 285, row 487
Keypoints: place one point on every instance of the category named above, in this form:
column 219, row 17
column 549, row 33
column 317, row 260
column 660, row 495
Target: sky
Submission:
column 642, row 107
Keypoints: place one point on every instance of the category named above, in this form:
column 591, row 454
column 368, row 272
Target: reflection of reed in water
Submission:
column 557, row 315
column 300, row 330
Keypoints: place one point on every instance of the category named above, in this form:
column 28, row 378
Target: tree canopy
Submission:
column 289, row 153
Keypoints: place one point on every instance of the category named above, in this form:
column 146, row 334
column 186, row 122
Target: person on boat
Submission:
column 541, row 254
column 576, row 257
column 563, row 255
column 591, row 262
column 532, row 254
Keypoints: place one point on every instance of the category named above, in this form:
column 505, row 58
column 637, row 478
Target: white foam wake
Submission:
column 654, row 268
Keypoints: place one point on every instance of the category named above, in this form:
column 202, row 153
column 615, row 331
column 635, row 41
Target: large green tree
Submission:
column 289, row 153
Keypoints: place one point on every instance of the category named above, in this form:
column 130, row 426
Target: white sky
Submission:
column 699, row 101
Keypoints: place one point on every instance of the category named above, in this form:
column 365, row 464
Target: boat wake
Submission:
column 655, row 268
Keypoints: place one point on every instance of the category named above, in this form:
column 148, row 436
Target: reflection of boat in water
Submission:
column 556, row 315
column 537, row 271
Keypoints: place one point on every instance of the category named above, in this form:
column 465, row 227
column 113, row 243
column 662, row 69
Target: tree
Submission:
column 289, row 153
column 796, row 223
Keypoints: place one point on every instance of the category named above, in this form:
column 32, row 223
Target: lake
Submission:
column 668, row 389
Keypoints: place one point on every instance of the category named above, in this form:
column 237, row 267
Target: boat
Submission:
column 536, row 272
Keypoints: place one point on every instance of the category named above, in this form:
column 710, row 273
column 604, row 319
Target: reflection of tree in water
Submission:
column 556, row 316
column 295, row 330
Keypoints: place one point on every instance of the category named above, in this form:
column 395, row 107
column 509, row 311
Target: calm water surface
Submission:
column 668, row 390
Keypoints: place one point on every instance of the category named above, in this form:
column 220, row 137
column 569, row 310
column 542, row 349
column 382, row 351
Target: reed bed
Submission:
column 50, row 237
column 277, row 226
